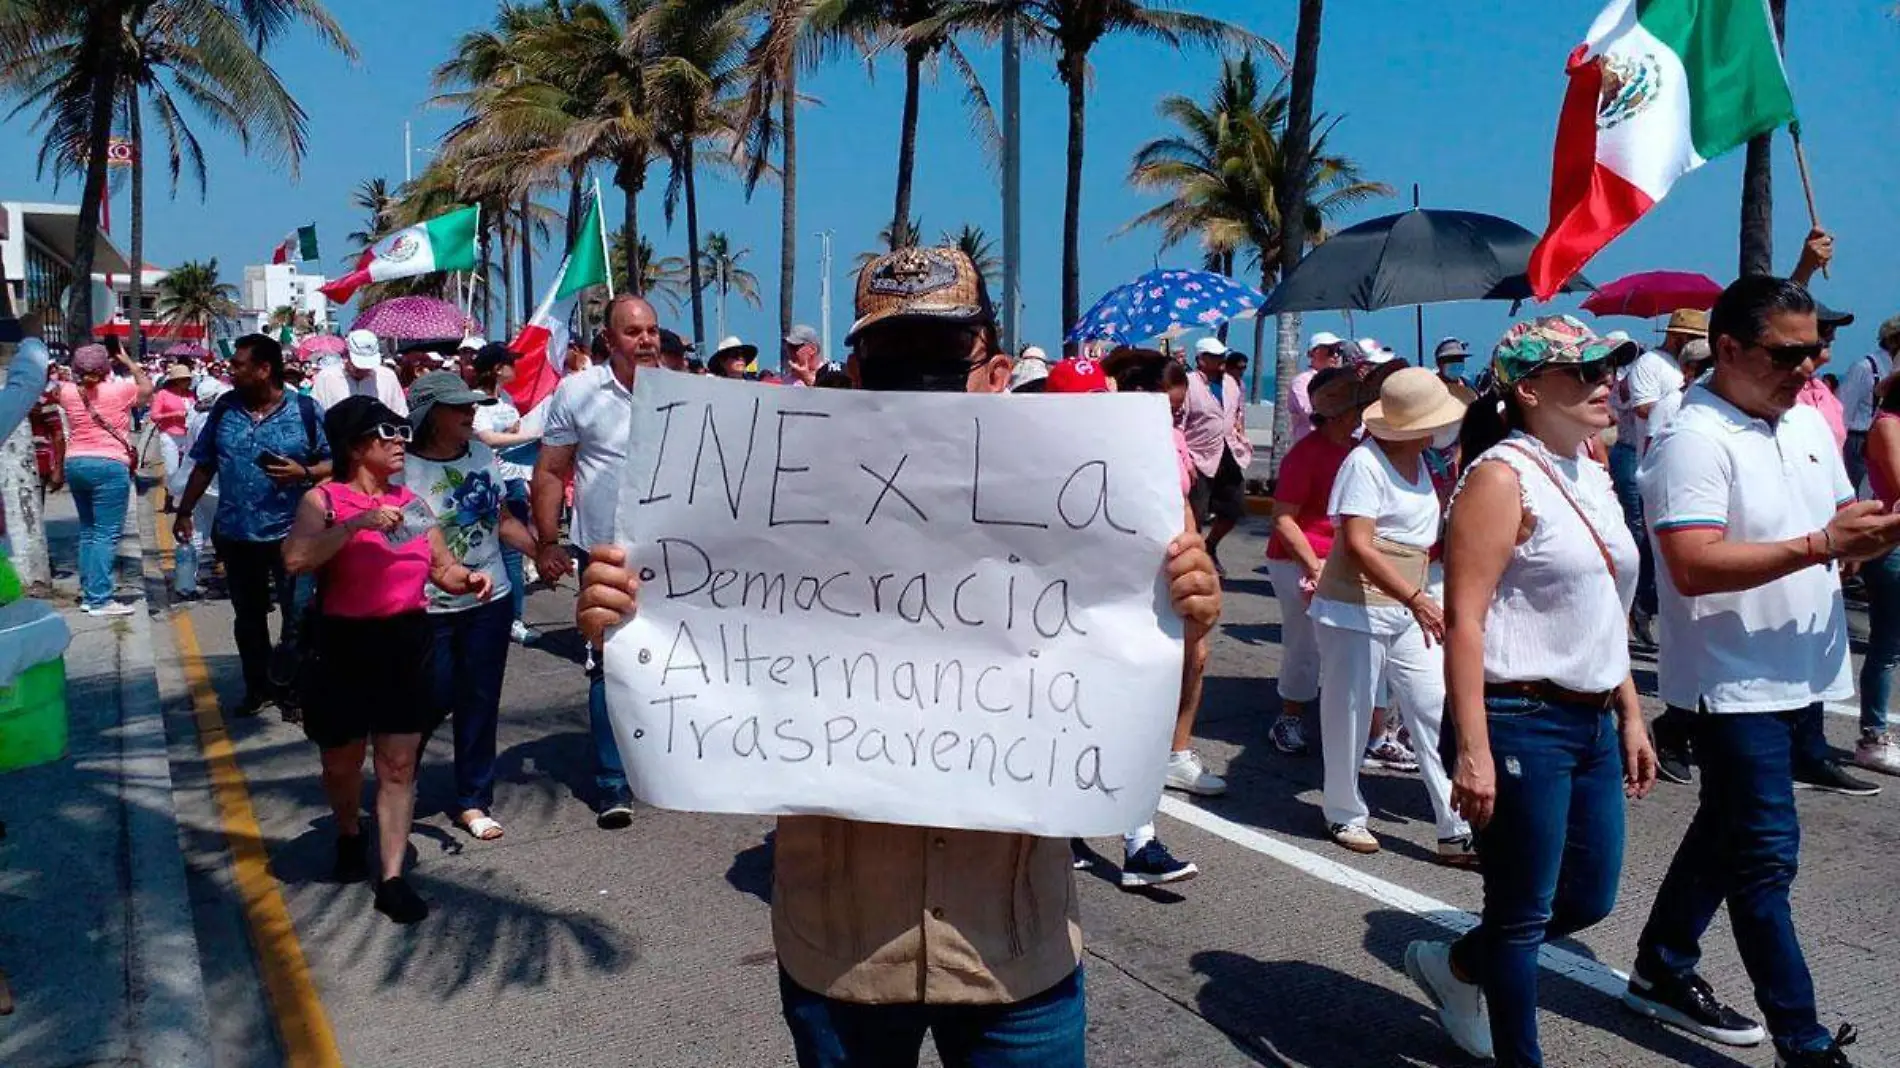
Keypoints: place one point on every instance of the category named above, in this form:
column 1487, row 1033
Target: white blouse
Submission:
column 1557, row 615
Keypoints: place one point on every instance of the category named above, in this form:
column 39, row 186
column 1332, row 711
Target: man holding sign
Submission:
column 1023, row 630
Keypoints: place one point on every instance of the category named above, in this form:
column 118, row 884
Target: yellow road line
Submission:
column 302, row 1025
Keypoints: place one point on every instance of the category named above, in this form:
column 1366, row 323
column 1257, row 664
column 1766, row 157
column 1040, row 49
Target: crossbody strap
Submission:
column 1544, row 465
column 132, row 454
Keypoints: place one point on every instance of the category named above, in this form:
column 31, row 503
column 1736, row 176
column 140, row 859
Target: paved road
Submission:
column 566, row 945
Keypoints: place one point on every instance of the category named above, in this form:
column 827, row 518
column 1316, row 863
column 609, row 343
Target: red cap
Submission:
column 1077, row 376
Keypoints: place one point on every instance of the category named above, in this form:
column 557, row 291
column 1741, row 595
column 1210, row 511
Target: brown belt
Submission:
column 1545, row 690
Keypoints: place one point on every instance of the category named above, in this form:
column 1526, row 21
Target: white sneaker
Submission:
column 1460, row 1004
column 1354, row 837
column 1878, row 752
column 1187, row 774
column 110, row 608
column 522, row 634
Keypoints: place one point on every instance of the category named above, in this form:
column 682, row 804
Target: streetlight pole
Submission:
column 824, row 295
column 1012, row 181
column 408, row 156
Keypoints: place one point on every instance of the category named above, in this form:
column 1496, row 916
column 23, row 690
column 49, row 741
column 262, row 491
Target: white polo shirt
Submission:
column 593, row 412
column 1777, row 647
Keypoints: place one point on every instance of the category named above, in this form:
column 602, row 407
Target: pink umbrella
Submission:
column 413, row 318
column 1654, row 293
column 184, row 351
column 318, row 344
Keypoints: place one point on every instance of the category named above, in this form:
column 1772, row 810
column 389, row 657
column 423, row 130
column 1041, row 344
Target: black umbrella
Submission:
column 1422, row 256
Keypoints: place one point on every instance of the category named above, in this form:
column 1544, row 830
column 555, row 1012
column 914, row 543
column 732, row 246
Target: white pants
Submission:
column 1299, row 653
column 1352, row 664
column 170, row 451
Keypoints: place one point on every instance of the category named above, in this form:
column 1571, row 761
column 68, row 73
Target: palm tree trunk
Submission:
column 788, row 211
column 1758, row 188
column 527, row 262
column 486, row 257
column 102, row 26
column 507, row 275
column 1075, row 76
column 573, row 206
column 692, row 248
column 1257, row 364
column 630, row 177
column 1290, row 197
column 907, row 148
column 135, row 333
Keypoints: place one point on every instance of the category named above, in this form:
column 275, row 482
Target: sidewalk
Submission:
column 96, row 935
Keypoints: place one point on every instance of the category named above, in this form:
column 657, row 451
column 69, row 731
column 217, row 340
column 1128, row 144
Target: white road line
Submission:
column 1591, row 973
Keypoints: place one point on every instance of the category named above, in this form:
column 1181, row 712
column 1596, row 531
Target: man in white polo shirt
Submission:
column 1752, row 513
column 586, row 437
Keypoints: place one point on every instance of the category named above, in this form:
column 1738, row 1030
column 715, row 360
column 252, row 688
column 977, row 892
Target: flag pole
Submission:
column 1807, row 183
column 606, row 255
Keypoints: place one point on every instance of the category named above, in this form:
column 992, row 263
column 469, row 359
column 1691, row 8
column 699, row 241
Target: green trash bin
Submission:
column 33, row 715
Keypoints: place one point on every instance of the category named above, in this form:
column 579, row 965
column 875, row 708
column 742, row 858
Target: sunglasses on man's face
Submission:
column 1789, row 357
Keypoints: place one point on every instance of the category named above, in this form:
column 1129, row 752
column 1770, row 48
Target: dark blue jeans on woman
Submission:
column 517, row 504
column 1552, row 854
column 471, row 654
column 1742, row 848
column 1882, row 577
column 101, row 489
column 1044, row 1031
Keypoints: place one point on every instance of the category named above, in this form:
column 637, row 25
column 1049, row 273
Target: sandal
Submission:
column 483, row 828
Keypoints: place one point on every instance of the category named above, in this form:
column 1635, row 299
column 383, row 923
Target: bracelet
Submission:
column 1828, row 537
column 1416, row 594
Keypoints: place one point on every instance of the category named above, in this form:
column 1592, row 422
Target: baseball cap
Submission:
column 493, row 355
column 366, row 353
column 1827, row 316
column 921, row 284
column 1450, row 349
column 801, row 335
column 671, row 344
column 1323, row 340
column 1077, row 376
column 472, row 343
column 1550, row 341
column 440, row 387
column 1211, row 346
column 1028, row 370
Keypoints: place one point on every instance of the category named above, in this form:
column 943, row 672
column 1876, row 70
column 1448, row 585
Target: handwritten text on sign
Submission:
column 941, row 610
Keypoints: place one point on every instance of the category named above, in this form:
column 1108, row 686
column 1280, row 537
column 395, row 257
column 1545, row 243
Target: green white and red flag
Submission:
column 297, row 246
column 444, row 243
column 543, row 340
column 1657, row 89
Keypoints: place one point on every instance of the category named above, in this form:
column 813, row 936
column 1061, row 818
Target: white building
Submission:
column 272, row 286
column 37, row 249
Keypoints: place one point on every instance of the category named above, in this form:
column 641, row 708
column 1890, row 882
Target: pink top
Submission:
column 1306, row 482
column 1816, row 395
column 1299, row 407
column 1880, row 480
column 169, row 411
column 113, row 400
column 1187, row 462
column 377, row 575
column 1213, row 423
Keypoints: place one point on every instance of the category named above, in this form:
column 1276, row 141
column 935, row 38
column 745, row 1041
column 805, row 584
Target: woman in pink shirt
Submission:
column 1878, row 750
column 99, row 461
column 171, row 404
column 375, row 547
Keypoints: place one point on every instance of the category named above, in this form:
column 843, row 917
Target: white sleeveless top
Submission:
column 1557, row 616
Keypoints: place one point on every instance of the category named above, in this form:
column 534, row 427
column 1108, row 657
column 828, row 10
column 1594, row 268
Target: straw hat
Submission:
column 177, row 372
column 1413, row 403
column 1689, row 322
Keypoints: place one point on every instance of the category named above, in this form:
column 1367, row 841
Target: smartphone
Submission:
column 266, row 458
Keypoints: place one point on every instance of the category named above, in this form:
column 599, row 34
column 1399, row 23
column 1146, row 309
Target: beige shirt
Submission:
column 880, row 914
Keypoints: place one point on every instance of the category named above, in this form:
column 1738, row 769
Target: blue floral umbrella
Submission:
column 1166, row 302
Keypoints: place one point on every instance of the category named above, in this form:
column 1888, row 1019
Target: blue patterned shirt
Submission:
column 251, row 507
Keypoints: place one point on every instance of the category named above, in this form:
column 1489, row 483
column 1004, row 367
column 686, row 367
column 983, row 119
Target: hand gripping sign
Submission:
column 939, row 610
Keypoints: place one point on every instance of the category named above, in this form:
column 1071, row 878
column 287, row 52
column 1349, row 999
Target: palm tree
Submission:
column 1758, row 185
column 790, row 42
column 191, row 295
column 722, row 267
column 695, row 68
column 893, row 237
column 1295, row 180
column 1072, row 29
column 92, row 69
column 373, row 198
column 662, row 278
column 979, row 247
column 1220, row 171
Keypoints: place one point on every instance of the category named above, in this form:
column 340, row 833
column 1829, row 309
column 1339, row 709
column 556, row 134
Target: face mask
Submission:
column 1445, row 438
column 1452, row 370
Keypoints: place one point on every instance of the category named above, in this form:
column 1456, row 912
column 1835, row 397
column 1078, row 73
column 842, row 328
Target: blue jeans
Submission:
column 610, row 775
column 471, row 655
column 1882, row 577
column 1743, row 847
column 517, row 505
column 1045, row 1031
column 100, row 488
column 1623, row 464
column 1552, row 854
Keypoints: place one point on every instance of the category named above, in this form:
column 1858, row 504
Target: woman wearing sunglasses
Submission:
column 1547, row 731
column 375, row 548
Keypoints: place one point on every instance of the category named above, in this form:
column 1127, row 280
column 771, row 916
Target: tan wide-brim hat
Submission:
column 1413, row 403
column 1689, row 322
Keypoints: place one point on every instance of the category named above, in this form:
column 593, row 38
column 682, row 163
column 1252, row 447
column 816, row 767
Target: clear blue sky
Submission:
column 1459, row 97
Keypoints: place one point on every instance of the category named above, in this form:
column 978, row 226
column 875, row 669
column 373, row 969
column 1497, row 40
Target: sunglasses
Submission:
column 1594, row 373
column 1789, row 357
column 392, row 432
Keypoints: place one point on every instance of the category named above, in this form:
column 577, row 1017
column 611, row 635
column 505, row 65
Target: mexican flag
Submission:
column 297, row 246
column 1657, row 89
column 543, row 342
column 444, row 243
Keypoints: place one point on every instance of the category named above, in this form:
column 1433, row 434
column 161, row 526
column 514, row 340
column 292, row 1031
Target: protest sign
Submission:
column 927, row 609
